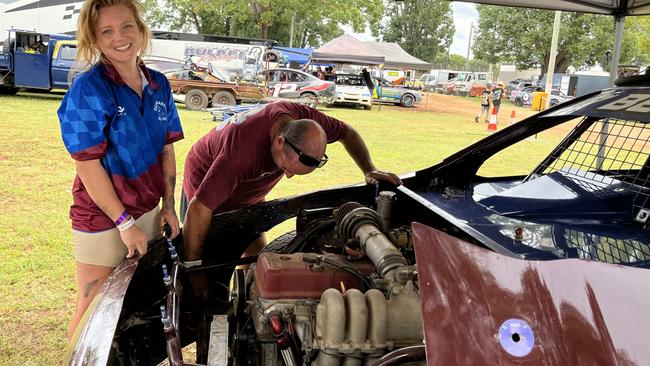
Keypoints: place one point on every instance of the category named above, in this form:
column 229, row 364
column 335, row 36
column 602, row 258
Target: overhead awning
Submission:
column 607, row 7
column 347, row 49
column 294, row 54
column 396, row 57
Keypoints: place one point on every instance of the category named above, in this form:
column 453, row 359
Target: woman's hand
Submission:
column 135, row 241
column 168, row 216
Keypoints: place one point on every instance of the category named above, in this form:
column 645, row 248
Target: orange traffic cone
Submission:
column 512, row 117
column 492, row 126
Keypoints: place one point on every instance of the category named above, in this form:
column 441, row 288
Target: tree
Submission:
column 423, row 28
column 314, row 22
column 523, row 36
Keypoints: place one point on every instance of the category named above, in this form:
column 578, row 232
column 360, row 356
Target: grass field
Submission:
column 37, row 279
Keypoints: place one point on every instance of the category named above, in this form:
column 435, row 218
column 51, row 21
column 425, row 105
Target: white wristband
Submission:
column 192, row 264
column 126, row 224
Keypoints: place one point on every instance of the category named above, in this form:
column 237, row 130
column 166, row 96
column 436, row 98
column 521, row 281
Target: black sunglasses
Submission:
column 306, row 159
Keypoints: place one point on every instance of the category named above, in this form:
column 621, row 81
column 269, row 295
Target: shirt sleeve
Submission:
column 84, row 114
column 219, row 182
column 334, row 129
column 174, row 129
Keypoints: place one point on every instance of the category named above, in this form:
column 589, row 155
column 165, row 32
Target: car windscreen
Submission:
column 350, row 80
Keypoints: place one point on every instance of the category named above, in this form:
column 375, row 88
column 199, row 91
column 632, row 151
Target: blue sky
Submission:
column 464, row 15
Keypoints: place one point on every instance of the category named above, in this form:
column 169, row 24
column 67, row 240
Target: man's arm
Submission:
column 357, row 149
column 195, row 228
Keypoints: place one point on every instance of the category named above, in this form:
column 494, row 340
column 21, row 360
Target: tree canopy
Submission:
column 314, row 21
column 523, row 36
column 424, row 28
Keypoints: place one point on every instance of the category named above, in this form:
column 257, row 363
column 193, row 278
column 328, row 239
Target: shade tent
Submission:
column 396, row 57
column 349, row 50
column 606, row 7
column 619, row 9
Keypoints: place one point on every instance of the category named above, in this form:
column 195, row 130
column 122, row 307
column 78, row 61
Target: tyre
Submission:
column 9, row 90
column 196, row 100
column 313, row 100
column 367, row 107
column 519, row 102
column 224, row 98
column 280, row 244
column 407, row 100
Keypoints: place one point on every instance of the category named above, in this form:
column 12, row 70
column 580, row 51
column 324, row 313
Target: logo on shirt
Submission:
column 161, row 108
column 121, row 111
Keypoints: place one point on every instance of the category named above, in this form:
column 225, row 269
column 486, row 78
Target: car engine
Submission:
column 349, row 299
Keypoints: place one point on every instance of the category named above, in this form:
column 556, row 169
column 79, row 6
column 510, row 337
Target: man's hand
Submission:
column 168, row 216
column 135, row 241
column 374, row 176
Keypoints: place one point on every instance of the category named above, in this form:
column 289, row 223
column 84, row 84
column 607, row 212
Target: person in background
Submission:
column 497, row 95
column 485, row 103
column 320, row 73
column 368, row 79
column 118, row 122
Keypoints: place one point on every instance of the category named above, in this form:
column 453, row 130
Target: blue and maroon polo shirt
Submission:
column 103, row 118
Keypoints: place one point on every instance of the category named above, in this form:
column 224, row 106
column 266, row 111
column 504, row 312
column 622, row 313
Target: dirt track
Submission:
column 440, row 103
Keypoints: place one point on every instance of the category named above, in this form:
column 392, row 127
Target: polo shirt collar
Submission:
column 111, row 72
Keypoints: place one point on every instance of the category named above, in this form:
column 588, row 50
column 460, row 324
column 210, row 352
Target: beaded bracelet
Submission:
column 127, row 224
column 122, row 217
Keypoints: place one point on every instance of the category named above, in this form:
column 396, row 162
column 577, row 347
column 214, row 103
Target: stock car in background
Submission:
column 524, row 97
column 351, row 89
column 471, row 261
column 386, row 92
column 291, row 83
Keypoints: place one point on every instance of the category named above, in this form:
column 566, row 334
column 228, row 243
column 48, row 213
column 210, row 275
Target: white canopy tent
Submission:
column 619, row 9
column 396, row 57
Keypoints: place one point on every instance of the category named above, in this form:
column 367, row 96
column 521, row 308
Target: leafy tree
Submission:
column 638, row 29
column 424, row 28
column 314, row 22
column 523, row 36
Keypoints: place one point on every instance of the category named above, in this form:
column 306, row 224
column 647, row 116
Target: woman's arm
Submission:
column 168, row 214
column 101, row 191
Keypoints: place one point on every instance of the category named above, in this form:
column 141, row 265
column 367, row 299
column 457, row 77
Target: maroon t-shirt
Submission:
column 232, row 167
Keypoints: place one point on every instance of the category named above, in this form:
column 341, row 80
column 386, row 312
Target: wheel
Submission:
column 432, row 89
column 224, row 98
column 407, row 100
column 196, row 100
column 367, row 107
column 518, row 102
column 280, row 244
column 313, row 101
column 9, row 90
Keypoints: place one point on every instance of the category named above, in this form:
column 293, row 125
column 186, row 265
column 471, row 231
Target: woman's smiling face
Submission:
column 117, row 34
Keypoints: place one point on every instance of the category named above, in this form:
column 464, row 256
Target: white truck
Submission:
column 429, row 82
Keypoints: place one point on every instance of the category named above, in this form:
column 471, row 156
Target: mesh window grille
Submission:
column 610, row 156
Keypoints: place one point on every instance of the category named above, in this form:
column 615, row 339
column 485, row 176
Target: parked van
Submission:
column 469, row 83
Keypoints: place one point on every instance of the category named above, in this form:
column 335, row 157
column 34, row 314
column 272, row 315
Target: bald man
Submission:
column 239, row 162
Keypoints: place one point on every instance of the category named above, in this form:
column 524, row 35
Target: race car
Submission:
column 525, row 96
column 546, row 263
column 385, row 91
column 290, row 83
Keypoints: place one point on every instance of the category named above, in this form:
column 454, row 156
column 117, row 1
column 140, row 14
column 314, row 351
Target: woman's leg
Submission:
column 90, row 278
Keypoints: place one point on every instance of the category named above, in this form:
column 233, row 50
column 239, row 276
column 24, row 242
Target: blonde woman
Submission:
column 118, row 122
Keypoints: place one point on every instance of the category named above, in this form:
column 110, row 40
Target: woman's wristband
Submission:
column 126, row 224
column 122, row 217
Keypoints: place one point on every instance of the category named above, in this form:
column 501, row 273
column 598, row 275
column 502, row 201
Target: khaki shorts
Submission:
column 106, row 248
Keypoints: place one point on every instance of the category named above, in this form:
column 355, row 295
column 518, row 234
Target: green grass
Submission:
column 37, row 278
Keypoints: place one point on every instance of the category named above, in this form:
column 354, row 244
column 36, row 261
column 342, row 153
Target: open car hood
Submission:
column 482, row 308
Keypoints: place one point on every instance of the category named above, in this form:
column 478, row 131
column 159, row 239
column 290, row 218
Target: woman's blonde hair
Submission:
column 87, row 52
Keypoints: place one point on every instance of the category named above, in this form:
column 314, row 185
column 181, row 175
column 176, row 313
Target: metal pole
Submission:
column 293, row 20
column 551, row 59
column 618, row 39
column 469, row 44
